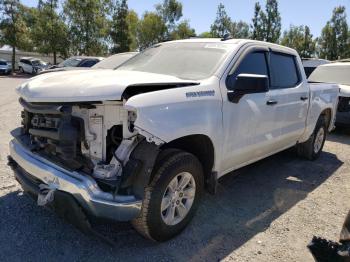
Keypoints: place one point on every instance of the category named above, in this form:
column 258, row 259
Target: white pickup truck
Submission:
column 142, row 142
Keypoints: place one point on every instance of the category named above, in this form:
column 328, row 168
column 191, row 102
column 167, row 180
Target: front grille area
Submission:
column 344, row 104
column 55, row 134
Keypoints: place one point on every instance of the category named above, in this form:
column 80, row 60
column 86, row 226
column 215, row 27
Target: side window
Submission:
column 284, row 72
column 88, row 63
column 253, row 63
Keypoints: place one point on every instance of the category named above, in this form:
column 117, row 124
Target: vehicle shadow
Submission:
column 247, row 202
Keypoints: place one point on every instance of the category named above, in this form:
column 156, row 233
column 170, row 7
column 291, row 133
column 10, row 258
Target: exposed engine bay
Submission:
column 97, row 139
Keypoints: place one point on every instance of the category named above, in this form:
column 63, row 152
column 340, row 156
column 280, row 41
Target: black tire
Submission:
column 150, row 223
column 307, row 149
column 21, row 70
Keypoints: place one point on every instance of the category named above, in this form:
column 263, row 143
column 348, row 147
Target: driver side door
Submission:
column 249, row 124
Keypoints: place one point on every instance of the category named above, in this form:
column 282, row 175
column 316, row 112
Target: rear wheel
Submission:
column 21, row 70
column 312, row 148
column 172, row 198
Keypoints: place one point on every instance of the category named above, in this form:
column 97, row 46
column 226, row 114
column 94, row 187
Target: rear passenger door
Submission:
column 291, row 96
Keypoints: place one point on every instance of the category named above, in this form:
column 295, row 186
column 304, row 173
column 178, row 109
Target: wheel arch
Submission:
column 327, row 114
column 201, row 146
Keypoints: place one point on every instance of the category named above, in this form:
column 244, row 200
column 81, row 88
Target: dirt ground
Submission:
column 268, row 211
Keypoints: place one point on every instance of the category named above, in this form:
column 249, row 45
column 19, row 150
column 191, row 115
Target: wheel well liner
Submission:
column 327, row 113
column 200, row 146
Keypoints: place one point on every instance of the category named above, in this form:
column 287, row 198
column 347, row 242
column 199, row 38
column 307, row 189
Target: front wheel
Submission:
column 171, row 200
column 312, row 148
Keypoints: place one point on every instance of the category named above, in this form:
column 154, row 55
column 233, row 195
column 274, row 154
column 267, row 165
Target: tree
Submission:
column 150, row 30
column 50, row 33
column 222, row 23
column 120, row 28
column 258, row 31
column 87, row 24
column 301, row 39
column 171, row 12
column 206, row 35
column 14, row 31
column 132, row 19
column 334, row 40
column 267, row 25
column 183, row 31
column 240, row 30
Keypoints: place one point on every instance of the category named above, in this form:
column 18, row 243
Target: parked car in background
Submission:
column 31, row 65
column 74, row 63
column 114, row 60
column 310, row 64
column 142, row 142
column 338, row 73
column 108, row 63
column 5, row 67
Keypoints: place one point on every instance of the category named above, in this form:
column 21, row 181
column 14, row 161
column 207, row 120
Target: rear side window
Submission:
column 284, row 72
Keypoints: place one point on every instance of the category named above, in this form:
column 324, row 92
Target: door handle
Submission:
column 304, row 98
column 271, row 102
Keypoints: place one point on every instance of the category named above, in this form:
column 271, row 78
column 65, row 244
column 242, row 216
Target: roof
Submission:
column 240, row 42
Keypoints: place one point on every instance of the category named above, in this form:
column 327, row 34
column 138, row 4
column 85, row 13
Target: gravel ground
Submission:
column 268, row 211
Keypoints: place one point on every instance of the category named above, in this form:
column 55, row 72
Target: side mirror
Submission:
column 248, row 84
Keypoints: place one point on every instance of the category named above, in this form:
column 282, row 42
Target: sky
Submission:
column 201, row 13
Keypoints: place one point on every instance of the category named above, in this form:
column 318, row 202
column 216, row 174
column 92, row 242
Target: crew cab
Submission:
column 142, row 142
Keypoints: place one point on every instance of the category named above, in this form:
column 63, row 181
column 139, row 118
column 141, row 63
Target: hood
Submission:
column 89, row 85
column 344, row 91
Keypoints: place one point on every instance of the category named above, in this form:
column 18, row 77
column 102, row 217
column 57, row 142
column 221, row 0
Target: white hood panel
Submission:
column 87, row 85
column 344, row 91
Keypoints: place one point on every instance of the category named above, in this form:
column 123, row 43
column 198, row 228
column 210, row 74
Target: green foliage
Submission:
column 87, row 25
column 258, row 31
column 267, row 24
column 206, row 35
column 183, row 31
column 301, row 39
column 49, row 32
column 14, row 31
column 240, row 30
column 222, row 23
column 132, row 19
column 171, row 12
column 151, row 30
column 334, row 40
column 120, row 28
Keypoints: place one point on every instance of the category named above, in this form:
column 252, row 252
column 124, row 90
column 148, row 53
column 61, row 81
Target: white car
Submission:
column 142, row 142
column 310, row 64
column 31, row 65
column 338, row 73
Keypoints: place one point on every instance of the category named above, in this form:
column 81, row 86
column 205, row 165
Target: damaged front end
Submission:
column 91, row 151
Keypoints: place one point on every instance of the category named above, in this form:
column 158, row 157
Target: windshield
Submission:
column 38, row 62
column 338, row 74
column 3, row 63
column 71, row 62
column 113, row 61
column 193, row 61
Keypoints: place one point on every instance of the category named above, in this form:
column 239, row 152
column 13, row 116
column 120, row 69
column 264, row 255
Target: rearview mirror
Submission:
column 248, row 84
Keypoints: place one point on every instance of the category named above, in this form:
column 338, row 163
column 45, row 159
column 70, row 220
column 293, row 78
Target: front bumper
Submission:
column 32, row 170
